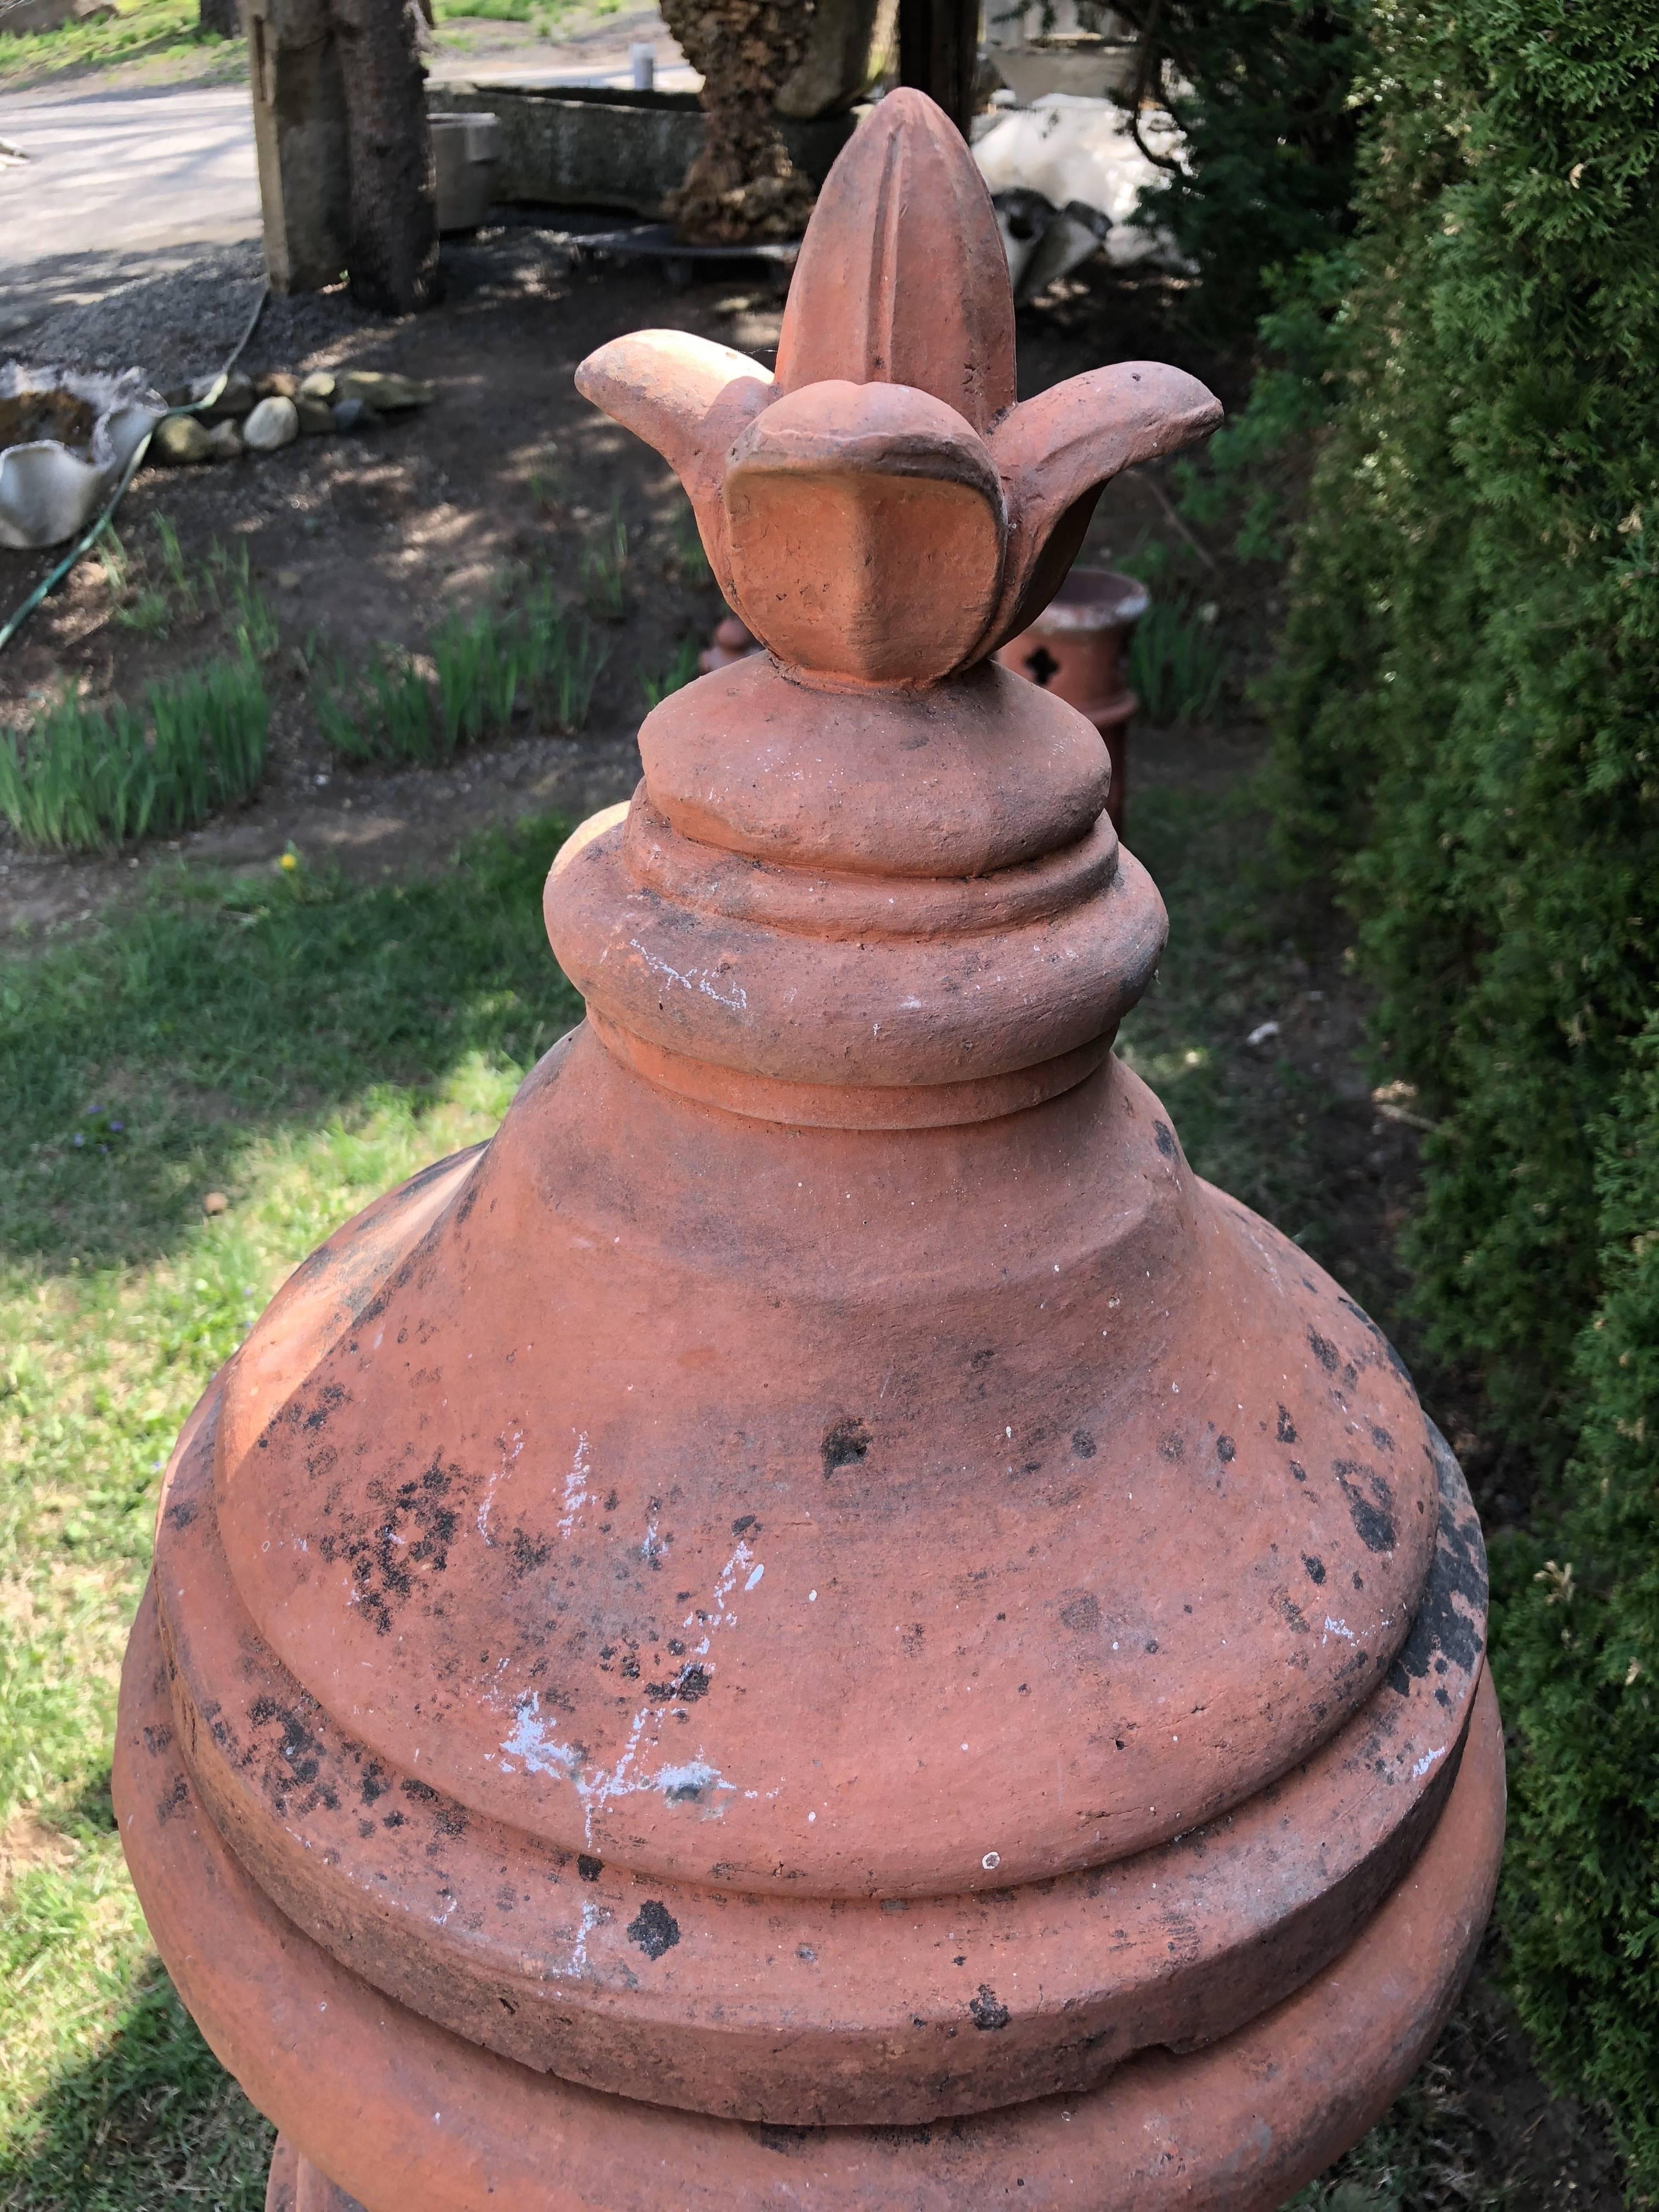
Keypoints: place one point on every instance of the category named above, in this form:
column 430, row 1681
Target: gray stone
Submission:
column 273, row 423
column 844, row 52
column 466, row 156
column 596, row 146
column 181, row 440
column 224, row 442
column 316, row 417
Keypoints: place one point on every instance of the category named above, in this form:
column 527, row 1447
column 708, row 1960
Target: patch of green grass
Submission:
column 298, row 1044
column 486, row 667
column 1177, row 663
column 86, row 781
column 142, row 30
column 681, row 671
column 603, row 566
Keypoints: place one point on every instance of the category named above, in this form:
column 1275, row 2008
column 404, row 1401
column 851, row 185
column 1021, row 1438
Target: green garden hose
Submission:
column 14, row 622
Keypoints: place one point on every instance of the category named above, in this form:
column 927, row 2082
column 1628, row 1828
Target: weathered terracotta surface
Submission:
column 822, row 1578
column 1077, row 650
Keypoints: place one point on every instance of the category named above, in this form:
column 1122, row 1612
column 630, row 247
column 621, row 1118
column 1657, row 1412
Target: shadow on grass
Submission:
column 152, row 2120
column 139, row 1064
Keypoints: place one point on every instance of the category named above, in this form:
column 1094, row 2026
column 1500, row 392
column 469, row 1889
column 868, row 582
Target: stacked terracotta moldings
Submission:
column 821, row 1622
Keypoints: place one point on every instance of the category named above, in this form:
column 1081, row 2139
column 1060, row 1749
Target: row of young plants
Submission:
column 90, row 778
column 1467, row 730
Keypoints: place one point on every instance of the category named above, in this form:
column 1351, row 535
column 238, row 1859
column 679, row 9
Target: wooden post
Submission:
column 938, row 52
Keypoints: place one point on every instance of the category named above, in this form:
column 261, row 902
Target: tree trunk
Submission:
column 220, row 19
column 743, row 185
column 938, row 52
column 393, row 261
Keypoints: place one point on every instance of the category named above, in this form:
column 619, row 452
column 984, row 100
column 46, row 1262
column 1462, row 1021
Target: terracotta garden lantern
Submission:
column 820, row 1622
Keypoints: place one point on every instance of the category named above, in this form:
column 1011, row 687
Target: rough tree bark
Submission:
column 221, row 18
column 393, row 260
column 938, row 52
column 743, row 185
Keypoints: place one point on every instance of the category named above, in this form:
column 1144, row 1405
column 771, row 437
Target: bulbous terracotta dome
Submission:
column 821, row 1621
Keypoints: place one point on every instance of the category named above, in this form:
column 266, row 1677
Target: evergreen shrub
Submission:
column 1468, row 718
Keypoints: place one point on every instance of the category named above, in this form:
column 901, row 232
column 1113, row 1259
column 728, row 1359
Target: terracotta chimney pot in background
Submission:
column 821, row 1621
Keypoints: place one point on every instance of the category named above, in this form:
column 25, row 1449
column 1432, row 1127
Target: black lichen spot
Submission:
column 1324, row 1352
column 527, row 1555
column 330, row 1398
column 1372, row 1516
column 1444, row 1627
column 1226, row 1450
column 1300, row 1473
column 1152, row 1644
column 655, row 1929
column 630, row 1669
column 1164, row 1138
column 423, row 1791
column 1083, row 1443
column 743, row 1524
column 1286, row 1427
column 1171, row 1447
column 392, row 1820
column 375, row 1783
column 985, row 2012
column 676, row 1648
column 844, row 1442
column 589, row 1869
column 1082, row 1612
column 692, row 1684
column 181, row 1515
column 1380, row 1438
column 1314, row 1565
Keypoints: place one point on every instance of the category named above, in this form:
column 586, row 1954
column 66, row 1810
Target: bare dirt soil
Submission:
column 370, row 539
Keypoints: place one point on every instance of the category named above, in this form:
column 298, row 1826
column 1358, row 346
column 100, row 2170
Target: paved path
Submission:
column 112, row 179
column 127, row 171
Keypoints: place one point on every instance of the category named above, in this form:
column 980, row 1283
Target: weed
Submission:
column 83, row 781
column 603, row 567
column 681, row 671
column 486, row 668
column 1177, row 663
column 549, row 480
column 688, row 563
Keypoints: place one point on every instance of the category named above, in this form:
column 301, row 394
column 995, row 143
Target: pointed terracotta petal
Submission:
column 866, row 527
column 1058, row 451
column 902, row 278
column 689, row 399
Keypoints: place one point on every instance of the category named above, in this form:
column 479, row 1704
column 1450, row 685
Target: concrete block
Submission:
column 599, row 147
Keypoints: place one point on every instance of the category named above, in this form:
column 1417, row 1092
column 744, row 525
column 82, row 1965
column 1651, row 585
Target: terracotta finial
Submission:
column 821, row 1619
column 882, row 511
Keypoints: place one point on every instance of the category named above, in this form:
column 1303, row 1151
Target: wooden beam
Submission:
column 938, row 52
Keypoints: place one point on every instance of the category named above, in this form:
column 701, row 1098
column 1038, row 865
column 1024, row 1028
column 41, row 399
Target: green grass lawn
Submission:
column 159, row 32
column 298, row 1044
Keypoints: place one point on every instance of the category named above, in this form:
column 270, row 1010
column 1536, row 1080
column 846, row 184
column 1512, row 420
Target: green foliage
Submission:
column 300, row 1043
column 1263, row 91
column 83, row 781
column 603, row 566
column 486, row 667
column 1580, row 1644
column 1177, row 665
column 681, row 671
column 1466, row 720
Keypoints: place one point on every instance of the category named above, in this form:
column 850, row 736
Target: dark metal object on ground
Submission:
column 822, row 1620
column 1078, row 648
column 680, row 263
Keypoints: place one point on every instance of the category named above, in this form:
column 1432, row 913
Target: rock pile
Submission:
column 263, row 414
